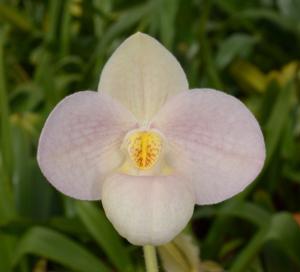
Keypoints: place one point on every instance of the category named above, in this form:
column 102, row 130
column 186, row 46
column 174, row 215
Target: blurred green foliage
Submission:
column 49, row 49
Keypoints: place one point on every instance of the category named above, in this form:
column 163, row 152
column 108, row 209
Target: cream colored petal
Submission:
column 147, row 209
column 180, row 255
column 80, row 143
column 215, row 140
column 142, row 75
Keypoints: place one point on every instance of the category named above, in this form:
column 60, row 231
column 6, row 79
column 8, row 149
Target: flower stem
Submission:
column 150, row 258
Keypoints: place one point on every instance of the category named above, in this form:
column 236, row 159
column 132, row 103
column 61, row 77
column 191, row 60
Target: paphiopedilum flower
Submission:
column 148, row 147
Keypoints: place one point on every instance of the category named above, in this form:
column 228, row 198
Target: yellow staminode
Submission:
column 144, row 148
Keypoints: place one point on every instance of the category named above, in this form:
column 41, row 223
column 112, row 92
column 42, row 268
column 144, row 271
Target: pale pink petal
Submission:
column 147, row 209
column 215, row 140
column 142, row 75
column 80, row 143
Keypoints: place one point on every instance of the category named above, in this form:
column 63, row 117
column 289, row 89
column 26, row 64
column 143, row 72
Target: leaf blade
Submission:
column 102, row 231
column 57, row 247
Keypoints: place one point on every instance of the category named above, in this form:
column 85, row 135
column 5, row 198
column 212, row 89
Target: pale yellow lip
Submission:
column 144, row 148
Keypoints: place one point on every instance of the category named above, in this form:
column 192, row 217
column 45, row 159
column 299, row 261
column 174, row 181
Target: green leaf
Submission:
column 7, row 244
column 71, row 226
column 14, row 17
column 65, row 34
column 7, row 210
column 247, row 211
column 289, row 8
column 248, row 254
column 127, row 19
column 283, row 230
column 258, row 14
column 167, row 15
column 240, row 209
column 25, row 97
column 234, row 208
column 286, row 232
column 236, row 45
column 5, row 128
column 275, row 125
column 59, row 248
column 103, row 232
column 28, row 176
column 54, row 20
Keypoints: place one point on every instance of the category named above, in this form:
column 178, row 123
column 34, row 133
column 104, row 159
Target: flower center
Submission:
column 144, row 148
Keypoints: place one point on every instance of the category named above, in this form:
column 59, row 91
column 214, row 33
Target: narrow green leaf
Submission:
column 236, row 45
column 167, row 15
column 28, row 176
column 103, row 232
column 283, row 230
column 237, row 208
column 271, row 15
column 14, row 17
column 7, row 210
column 248, row 254
column 127, row 19
column 206, row 55
column 276, row 123
column 286, row 232
column 65, row 29
column 247, row 211
column 7, row 243
column 240, row 209
column 55, row 7
column 289, row 8
column 213, row 240
column 5, row 128
column 59, row 248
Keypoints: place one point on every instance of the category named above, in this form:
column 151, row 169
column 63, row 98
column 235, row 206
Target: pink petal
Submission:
column 215, row 140
column 80, row 143
column 147, row 209
column 142, row 75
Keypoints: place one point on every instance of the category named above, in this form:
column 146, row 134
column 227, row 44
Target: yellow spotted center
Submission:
column 144, row 148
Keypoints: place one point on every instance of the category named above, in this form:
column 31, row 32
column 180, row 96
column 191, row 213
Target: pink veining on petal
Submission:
column 80, row 143
column 148, row 209
column 215, row 140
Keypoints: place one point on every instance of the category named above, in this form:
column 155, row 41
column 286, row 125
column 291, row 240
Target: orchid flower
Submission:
column 149, row 147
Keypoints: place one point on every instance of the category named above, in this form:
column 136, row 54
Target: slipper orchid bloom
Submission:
column 148, row 147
